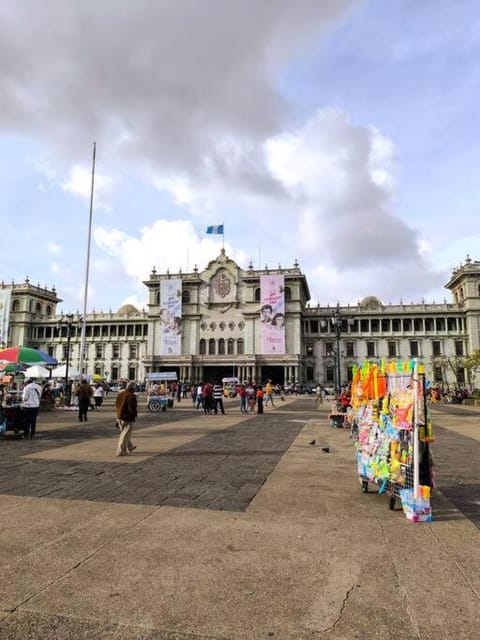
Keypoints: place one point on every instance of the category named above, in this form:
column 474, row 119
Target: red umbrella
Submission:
column 26, row 355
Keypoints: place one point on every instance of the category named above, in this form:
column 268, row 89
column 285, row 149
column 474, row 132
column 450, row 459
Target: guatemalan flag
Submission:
column 216, row 228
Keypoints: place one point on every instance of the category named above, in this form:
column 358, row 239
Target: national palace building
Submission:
column 253, row 324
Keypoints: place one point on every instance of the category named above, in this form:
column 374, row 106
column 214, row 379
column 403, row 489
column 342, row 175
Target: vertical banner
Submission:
column 272, row 314
column 5, row 297
column 170, row 317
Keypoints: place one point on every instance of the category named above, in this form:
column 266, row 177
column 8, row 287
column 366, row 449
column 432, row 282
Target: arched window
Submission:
column 38, row 308
column 16, row 305
column 240, row 346
column 48, row 310
column 221, row 347
column 230, row 346
column 257, row 294
column 288, row 293
column 157, row 297
column 202, row 349
column 211, row 347
column 186, row 296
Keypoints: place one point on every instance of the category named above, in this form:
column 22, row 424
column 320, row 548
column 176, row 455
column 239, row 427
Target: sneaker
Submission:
column 134, row 446
column 121, row 453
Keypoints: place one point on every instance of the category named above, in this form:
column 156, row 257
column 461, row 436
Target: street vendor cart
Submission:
column 157, row 390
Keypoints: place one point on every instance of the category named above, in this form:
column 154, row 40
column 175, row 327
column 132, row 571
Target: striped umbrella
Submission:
column 26, row 355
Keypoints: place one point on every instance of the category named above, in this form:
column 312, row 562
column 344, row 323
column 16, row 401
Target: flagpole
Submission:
column 223, row 237
column 87, row 269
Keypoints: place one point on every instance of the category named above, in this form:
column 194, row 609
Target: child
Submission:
column 259, row 399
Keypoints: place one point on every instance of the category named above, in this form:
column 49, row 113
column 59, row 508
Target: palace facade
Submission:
column 215, row 328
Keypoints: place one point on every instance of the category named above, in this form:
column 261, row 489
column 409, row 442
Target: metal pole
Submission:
column 87, row 270
column 337, row 331
column 67, row 390
column 416, row 445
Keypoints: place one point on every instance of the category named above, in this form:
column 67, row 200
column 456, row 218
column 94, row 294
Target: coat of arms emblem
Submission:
column 222, row 285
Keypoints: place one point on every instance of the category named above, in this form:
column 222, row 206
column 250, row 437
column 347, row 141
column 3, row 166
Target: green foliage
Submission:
column 473, row 361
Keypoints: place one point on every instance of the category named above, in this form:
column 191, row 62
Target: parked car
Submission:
column 307, row 388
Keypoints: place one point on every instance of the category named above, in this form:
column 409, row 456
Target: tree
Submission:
column 472, row 363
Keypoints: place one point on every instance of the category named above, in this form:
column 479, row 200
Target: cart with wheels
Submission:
column 14, row 418
column 393, row 435
column 157, row 403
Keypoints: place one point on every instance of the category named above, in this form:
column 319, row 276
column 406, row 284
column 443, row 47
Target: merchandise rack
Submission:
column 392, row 432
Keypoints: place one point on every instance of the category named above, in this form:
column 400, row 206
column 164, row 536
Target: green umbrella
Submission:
column 9, row 368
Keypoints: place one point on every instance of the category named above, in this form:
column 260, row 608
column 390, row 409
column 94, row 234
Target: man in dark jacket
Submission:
column 84, row 393
column 126, row 406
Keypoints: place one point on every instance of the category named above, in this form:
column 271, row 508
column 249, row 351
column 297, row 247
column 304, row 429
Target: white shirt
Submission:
column 31, row 395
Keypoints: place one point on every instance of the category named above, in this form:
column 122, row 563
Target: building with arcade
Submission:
column 254, row 324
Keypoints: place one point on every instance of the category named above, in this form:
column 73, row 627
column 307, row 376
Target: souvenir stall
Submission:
column 393, row 432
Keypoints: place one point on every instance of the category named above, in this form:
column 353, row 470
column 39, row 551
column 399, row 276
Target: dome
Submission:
column 127, row 309
column 370, row 302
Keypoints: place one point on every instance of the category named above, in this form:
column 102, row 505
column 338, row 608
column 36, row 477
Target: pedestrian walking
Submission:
column 251, row 398
column 243, row 398
column 218, row 398
column 84, row 393
column 199, row 395
column 207, row 395
column 269, row 394
column 31, row 394
column 318, row 395
column 98, row 396
column 126, row 407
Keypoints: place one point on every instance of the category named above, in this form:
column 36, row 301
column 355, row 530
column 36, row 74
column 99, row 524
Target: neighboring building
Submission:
column 207, row 325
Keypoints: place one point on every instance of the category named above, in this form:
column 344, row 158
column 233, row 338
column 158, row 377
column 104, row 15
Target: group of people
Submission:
column 36, row 394
column 209, row 397
column 253, row 397
column 268, row 317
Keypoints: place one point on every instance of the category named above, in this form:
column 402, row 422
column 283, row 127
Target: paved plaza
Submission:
column 231, row 527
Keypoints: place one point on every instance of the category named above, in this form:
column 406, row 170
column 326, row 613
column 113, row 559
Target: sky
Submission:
column 343, row 134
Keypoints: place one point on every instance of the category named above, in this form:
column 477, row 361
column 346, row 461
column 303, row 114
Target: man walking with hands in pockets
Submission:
column 126, row 406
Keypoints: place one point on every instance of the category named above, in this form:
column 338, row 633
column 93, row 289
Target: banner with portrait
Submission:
column 171, row 317
column 272, row 314
column 5, row 297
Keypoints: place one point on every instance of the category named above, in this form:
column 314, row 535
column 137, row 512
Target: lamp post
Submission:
column 337, row 323
column 69, row 323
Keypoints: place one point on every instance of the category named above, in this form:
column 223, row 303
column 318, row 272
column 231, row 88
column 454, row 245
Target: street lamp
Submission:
column 69, row 323
column 337, row 321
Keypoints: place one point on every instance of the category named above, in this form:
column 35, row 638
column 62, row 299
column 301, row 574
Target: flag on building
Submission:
column 216, row 228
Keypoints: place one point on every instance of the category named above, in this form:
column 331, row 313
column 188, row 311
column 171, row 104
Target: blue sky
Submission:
column 343, row 134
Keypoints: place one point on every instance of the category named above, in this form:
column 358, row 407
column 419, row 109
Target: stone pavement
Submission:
column 230, row 527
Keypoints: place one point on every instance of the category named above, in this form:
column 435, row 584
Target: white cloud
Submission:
column 54, row 247
column 172, row 245
column 79, row 183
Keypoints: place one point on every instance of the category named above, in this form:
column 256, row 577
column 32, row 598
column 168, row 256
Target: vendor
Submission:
column 47, row 395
